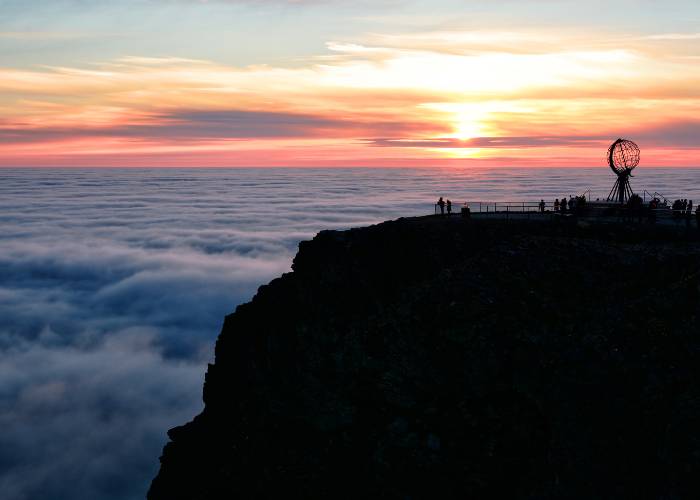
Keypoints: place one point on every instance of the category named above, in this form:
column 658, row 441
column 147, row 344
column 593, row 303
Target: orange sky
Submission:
column 469, row 97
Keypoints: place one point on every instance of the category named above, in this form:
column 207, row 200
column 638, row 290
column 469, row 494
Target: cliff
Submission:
column 433, row 358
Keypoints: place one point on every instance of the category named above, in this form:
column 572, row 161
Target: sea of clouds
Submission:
column 114, row 284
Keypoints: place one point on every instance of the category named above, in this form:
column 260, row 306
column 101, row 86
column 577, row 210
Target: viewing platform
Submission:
column 591, row 212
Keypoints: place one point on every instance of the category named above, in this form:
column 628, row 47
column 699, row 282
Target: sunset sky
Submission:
column 330, row 83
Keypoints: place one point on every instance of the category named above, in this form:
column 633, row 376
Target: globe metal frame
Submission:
column 623, row 157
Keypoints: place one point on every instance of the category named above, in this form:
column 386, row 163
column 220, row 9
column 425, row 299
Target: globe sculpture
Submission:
column 623, row 156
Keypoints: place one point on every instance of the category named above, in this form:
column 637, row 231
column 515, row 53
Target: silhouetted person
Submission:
column 449, row 208
column 635, row 207
column 542, row 205
column 441, row 204
column 653, row 206
column 572, row 204
column 466, row 212
column 556, row 205
column 563, row 205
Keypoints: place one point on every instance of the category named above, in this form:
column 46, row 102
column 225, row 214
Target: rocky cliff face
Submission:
column 428, row 358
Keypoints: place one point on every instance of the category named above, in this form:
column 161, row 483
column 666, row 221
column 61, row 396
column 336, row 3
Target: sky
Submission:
column 331, row 83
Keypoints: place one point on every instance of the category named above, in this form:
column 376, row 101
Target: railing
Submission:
column 506, row 209
column 656, row 195
column 494, row 207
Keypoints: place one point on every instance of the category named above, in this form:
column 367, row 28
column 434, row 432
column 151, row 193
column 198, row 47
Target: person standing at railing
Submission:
column 653, row 206
column 449, row 208
column 441, row 204
column 556, row 205
column 542, row 205
column 563, row 205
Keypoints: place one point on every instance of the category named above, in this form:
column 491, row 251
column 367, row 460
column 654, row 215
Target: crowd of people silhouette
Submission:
column 446, row 205
column 682, row 208
column 567, row 206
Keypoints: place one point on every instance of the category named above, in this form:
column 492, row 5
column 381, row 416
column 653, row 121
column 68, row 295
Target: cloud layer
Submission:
column 114, row 284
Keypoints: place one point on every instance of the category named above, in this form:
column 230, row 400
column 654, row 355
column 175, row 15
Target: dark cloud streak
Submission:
column 207, row 125
column 194, row 125
column 489, row 142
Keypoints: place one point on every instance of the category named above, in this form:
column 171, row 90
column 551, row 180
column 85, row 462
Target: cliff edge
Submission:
column 434, row 358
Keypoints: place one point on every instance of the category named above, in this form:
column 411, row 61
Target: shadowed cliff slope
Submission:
column 433, row 358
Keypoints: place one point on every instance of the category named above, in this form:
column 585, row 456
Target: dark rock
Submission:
column 433, row 358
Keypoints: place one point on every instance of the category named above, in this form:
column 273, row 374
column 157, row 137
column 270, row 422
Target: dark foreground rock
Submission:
column 428, row 358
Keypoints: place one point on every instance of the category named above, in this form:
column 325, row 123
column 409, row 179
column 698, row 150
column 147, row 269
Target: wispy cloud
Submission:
column 43, row 35
column 674, row 36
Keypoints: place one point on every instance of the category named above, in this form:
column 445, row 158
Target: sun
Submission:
column 466, row 128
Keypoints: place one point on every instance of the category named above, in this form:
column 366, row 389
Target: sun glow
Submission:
column 469, row 120
column 466, row 128
column 459, row 153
